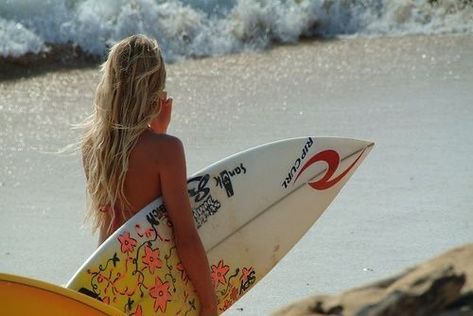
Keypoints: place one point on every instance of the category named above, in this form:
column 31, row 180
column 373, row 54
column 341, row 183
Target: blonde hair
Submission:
column 126, row 100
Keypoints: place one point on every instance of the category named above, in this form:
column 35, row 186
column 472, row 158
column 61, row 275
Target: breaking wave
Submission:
column 197, row 28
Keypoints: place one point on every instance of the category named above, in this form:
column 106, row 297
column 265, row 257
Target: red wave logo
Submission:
column 332, row 158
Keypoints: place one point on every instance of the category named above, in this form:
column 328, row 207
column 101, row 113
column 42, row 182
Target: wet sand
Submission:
column 410, row 199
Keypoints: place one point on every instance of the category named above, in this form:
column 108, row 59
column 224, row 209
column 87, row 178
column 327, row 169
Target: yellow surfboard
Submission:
column 25, row 296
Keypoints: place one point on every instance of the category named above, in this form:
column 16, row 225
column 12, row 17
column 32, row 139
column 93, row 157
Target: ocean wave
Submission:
column 198, row 28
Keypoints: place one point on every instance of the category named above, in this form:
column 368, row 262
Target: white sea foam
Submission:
column 16, row 40
column 194, row 28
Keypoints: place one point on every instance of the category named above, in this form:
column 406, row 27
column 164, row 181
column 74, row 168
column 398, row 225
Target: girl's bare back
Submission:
column 142, row 183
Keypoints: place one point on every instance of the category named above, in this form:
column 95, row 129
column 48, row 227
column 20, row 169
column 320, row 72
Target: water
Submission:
column 196, row 28
column 410, row 200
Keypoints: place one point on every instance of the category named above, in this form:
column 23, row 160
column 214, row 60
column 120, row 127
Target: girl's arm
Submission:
column 173, row 178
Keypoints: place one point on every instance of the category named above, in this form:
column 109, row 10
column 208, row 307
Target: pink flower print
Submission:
column 149, row 232
column 160, row 293
column 234, row 294
column 245, row 273
column 226, row 305
column 127, row 244
column 180, row 268
column 219, row 273
column 151, row 259
column 138, row 311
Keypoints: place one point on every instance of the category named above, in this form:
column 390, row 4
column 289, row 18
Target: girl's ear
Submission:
column 163, row 95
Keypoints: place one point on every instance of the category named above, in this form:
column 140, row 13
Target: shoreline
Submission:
column 70, row 56
column 56, row 58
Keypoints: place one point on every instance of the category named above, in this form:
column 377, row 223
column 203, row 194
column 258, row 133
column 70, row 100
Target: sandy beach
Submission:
column 411, row 199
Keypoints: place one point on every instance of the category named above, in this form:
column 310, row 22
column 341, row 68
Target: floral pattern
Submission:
column 161, row 295
column 151, row 259
column 127, row 244
column 180, row 268
column 138, row 311
column 234, row 294
column 144, row 275
column 245, row 273
column 219, row 273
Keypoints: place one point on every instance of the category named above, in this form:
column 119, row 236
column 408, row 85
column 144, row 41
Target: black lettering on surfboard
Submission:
column 247, row 282
column 208, row 208
column 297, row 163
column 156, row 215
column 224, row 179
column 201, row 191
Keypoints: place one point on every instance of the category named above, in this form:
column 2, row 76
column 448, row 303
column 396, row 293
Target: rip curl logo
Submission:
column 297, row 163
column 332, row 158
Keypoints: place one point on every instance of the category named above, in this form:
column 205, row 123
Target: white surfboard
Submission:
column 250, row 209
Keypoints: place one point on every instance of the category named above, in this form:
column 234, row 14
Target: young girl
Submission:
column 129, row 160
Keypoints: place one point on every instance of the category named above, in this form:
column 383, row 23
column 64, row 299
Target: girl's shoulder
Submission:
column 159, row 147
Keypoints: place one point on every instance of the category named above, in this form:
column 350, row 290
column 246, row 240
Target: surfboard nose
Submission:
column 344, row 145
column 332, row 162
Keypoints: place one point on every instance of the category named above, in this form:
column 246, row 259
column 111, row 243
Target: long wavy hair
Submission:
column 126, row 100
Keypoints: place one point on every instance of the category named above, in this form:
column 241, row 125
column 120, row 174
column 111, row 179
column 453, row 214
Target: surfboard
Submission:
column 250, row 210
column 25, row 296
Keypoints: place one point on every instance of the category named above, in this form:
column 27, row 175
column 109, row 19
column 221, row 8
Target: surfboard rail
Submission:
column 282, row 187
column 26, row 296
